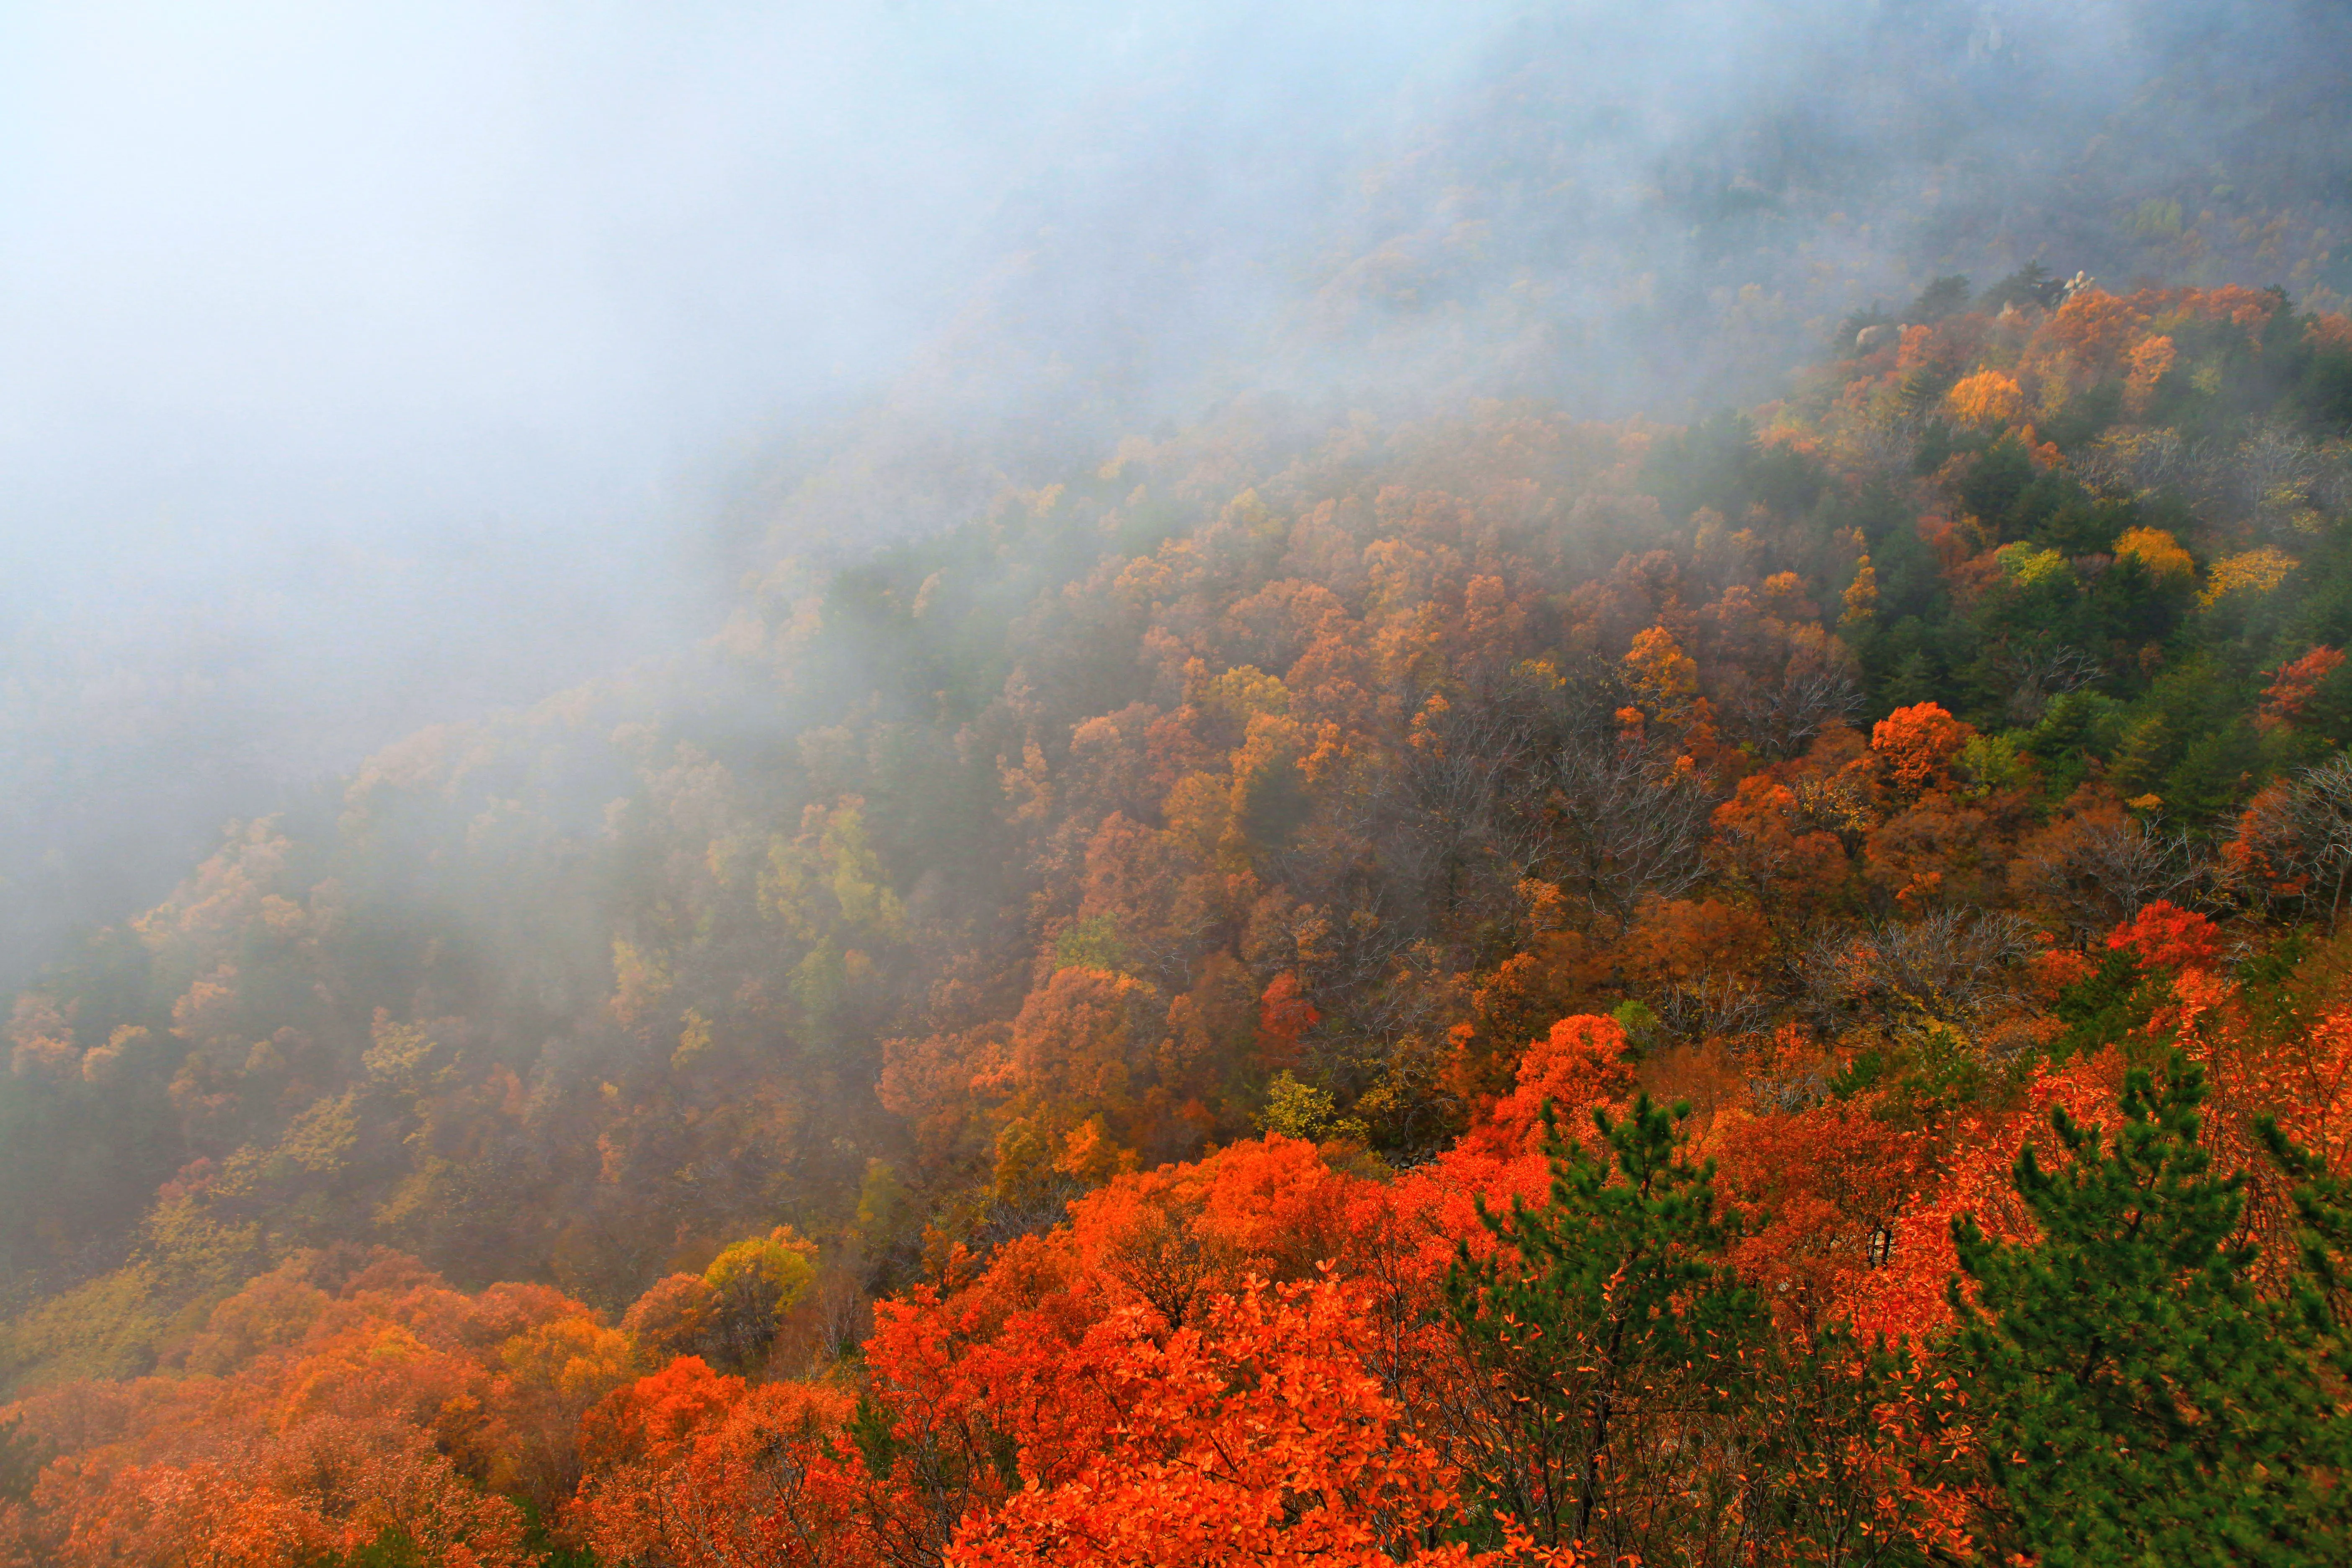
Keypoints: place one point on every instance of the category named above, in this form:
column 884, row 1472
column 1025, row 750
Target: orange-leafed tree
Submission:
column 1581, row 1064
column 2163, row 935
column 1988, row 399
column 699, row 1472
column 1259, row 1436
column 1916, row 745
column 1082, row 1043
column 2294, row 685
column 1285, row 1015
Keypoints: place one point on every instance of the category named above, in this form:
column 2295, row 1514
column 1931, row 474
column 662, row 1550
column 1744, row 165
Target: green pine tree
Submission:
column 2323, row 1290
column 1614, row 1349
column 1630, row 1391
column 1587, row 1320
column 2136, row 1401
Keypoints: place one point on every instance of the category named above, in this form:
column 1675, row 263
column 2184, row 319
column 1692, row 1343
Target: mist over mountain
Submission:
column 370, row 372
column 1617, row 211
column 913, row 782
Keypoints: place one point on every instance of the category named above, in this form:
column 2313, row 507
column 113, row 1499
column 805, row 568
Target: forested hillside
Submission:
column 1018, row 1004
column 1429, row 978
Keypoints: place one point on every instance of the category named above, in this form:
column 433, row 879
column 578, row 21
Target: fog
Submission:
column 360, row 369
column 365, row 368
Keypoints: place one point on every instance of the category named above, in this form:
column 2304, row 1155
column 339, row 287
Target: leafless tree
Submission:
column 1044, row 1206
column 1884, row 446
column 2103, row 866
column 2240, row 481
column 2133, row 463
column 2302, row 836
column 1627, row 820
column 843, row 1319
column 1781, row 719
column 2039, row 672
column 1457, row 780
column 1958, row 965
column 2269, row 463
column 1713, row 1006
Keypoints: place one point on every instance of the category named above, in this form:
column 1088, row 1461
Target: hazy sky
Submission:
column 363, row 330
column 367, row 365
column 304, row 298
column 311, row 279
column 362, row 366
column 291, row 295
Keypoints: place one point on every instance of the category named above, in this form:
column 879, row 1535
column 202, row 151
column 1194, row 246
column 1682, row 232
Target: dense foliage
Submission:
column 1498, row 989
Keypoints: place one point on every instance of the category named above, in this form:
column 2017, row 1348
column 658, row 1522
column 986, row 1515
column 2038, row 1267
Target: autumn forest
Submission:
column 1476, row 985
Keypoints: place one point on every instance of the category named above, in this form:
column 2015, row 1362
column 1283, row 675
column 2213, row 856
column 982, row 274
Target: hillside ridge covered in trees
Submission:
column 1496, row 989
